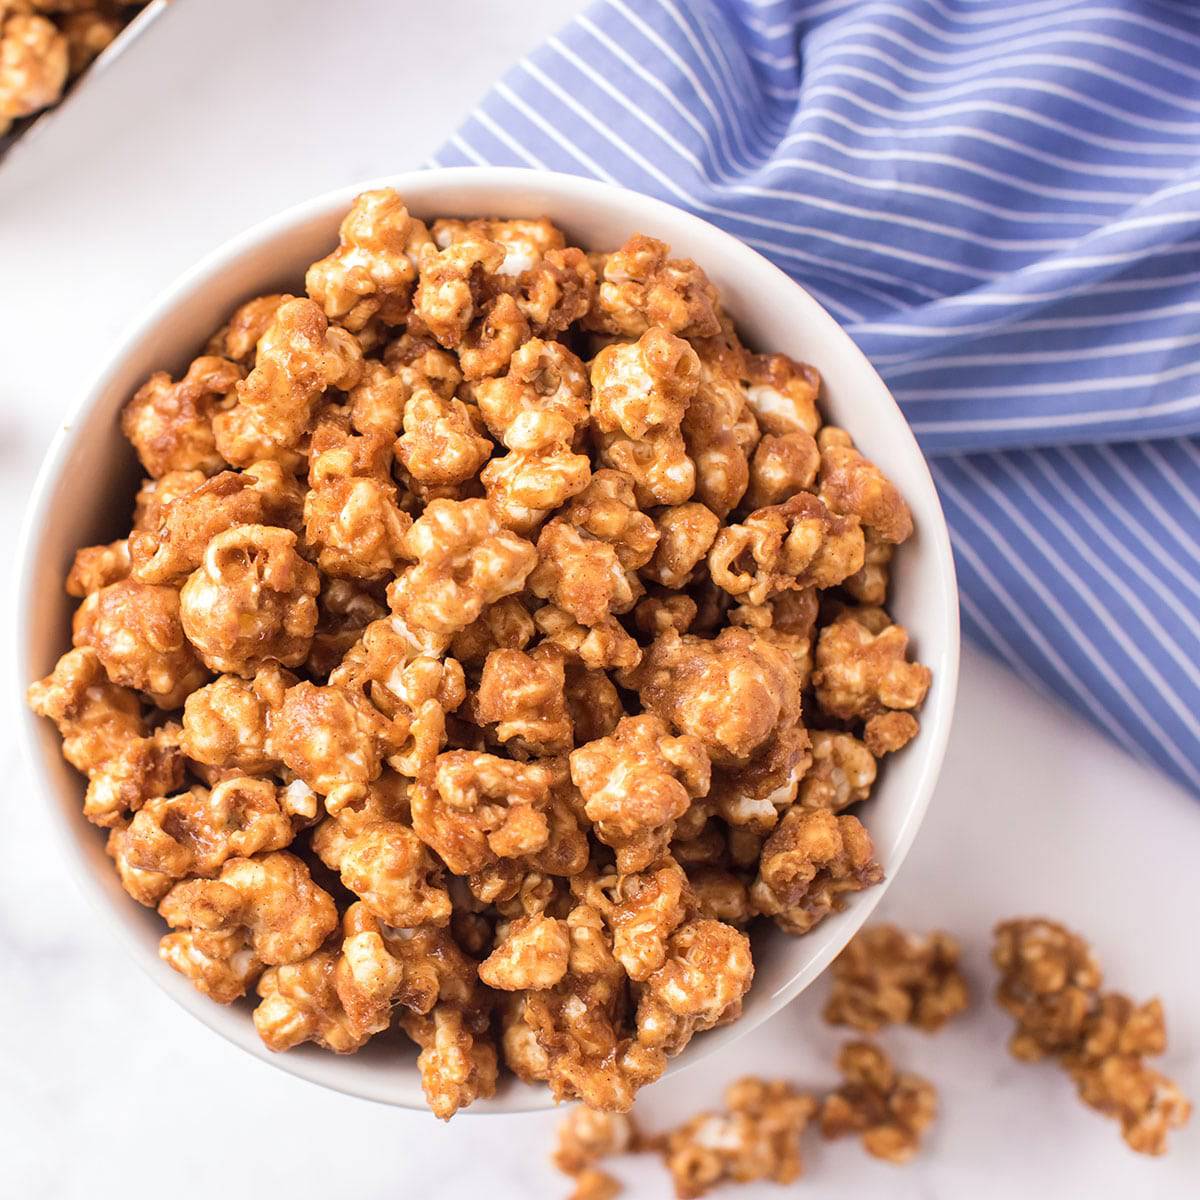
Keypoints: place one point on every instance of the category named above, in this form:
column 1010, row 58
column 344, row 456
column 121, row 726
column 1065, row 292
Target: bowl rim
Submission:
column 935, row 727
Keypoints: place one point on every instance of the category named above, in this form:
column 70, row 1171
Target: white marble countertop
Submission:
column 222, row 113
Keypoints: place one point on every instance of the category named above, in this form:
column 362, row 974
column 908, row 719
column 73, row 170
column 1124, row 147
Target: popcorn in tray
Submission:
column 495, row 641
column 45, row 44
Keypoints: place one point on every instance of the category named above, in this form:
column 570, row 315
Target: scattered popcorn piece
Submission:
column 889, row 1110
column 1050, row 982
column 886, row 976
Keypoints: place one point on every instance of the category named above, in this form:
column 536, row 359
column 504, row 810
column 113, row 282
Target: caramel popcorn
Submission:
column 373, row 271
column 854, row 486
column 524, row 696
column 732, row 692
column 641, row 287
column 464, row 562
column 259, row 911
column 43, row 46
column 889, row 1110
column 797, row 544
column 251, row 602
column 886, row 976
column 1050, row 982
column 758, row 1137
column 195, row 833
column 865, row 675
column 810, row 861
column 173, row 538
column 485, row 577
column 171, row 424
column 33, row 64
column 635, row 783
column 842, row 773
column 136, row 632
column 586, row 1136
column 380, row 859
column 299, row 357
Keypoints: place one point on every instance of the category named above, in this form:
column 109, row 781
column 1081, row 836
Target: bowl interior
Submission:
column 85, row 493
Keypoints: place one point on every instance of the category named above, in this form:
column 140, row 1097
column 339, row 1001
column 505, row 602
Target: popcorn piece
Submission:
column 636, row 783
column 783, row 394
column 238, row 339
column 344, row 993
column 409, row 684
column 524, row 697
column 721, row 895
column 842, row 772
column 797, row 544
column 861, row 674
column 593, row 703
column 463, row 305
column 890, row 1110
column 300, row 356
column 658, row 464
column 260, row 911
column 458, row 1066
column 581, row 574
column 643, row 385
column 531, row 955
column 886, row 976
column 155, row 494
column 854, row 486
column 505, row 625
column 808, row 864
column 136, row 632
column 169, row 548
column 888, row 732
column 540, row 474
column 758, row 1138
column 586, row 1136
column 662, row 610
column 373, row 271
column 707, row 973
column 105, row 737
column 415, row 359
column 464, row 562
column 720, row 433
column 381, row 860
column 783, row 464
column 542, row 377
column 642, row 909
column 195, row 833
column 607, row 509
column 869, row 584
column 753, row 796
column 171, row 424
column 95, row 567
column 345, row 609
column 577, row 1026
column 685, row 534
column 351, row 516
column 1050, row 981
column 473, row 808
column 603, row 646
column 333, row 739
column 442, row 443
column 33, row 64
column 251, row 602
column 1111, row 1077
column 226, row 723
column 641, row 287
column 733, row 692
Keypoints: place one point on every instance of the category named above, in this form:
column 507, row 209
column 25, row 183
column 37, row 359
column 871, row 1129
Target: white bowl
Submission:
column 84, row 494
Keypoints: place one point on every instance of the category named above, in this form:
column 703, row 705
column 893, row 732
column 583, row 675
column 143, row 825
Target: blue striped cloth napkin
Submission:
column 1000, row 201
